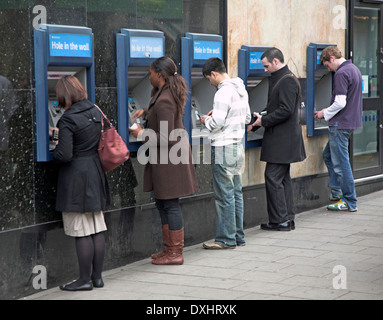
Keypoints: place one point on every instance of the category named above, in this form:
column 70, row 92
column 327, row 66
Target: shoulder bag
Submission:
column 111, row 148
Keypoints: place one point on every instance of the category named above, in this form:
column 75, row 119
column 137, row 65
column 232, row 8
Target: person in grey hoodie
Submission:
column 226, row 123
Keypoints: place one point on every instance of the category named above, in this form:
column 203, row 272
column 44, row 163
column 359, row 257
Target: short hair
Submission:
column 213, row 64
column 328, row 52
column 69, row 90
column 273, row 53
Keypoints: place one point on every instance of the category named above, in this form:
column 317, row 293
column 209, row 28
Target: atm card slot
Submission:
column 253, row 83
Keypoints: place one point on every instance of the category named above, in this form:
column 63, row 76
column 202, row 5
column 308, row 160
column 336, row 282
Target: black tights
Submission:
column 90, row 254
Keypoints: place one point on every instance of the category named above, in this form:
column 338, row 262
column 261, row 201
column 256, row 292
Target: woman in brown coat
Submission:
column 170, row 173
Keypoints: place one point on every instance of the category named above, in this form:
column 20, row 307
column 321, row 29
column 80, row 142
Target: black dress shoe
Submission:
column 72, row 287
column 285, row 226
column 292, row 225
column 98, row 283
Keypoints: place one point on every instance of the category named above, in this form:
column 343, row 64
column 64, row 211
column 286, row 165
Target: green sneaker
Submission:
column 341, row 205
column 335, row 198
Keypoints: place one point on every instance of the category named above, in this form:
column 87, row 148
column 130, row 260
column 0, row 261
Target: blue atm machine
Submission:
column 256, row 80
column 59, row 51
column 136, row 50
column 195, row 49
column 319, row 89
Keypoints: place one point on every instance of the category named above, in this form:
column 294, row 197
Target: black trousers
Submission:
column 279, row 193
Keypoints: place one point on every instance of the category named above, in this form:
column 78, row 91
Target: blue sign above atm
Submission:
column 204, row 50
column 70, row 45
column 255, row 61
column 146, row 47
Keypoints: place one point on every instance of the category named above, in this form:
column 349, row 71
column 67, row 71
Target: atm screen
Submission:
column 55, row 113
column 322, row 92
column 196, row 112
column 319, row 53
column 134, row 106
column 201, row 131
column 132, row 109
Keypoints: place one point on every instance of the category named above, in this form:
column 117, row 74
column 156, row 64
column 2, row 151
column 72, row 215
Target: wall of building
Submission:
column 289, row 25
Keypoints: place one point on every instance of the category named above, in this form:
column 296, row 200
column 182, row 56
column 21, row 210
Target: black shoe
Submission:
column 73, row 287
column 285, row 226
column 98, row 283
column 292, row 225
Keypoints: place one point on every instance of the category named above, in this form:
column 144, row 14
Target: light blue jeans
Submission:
column 336, row 157
column 227, row 162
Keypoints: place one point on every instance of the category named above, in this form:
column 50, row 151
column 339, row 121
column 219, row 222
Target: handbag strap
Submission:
column 104, row 116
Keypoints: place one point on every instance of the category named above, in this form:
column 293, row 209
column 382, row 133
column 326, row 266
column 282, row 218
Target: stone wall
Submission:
column 289, row 25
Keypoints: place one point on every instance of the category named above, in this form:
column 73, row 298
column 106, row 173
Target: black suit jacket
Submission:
column 282, row 141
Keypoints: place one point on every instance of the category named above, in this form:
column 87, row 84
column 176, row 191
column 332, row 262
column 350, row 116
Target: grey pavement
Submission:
column 329, row 256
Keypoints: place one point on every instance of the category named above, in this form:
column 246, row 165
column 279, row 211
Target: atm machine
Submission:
column 319, row 89
column 256, row 80
column 136, row 50
column 59, row 50
column 193, row 50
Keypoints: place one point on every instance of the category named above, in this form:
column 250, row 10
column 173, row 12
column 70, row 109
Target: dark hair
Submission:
column 168, row 69
column 273, row 53
column 328, row 52
column 213, row 64
column 69, row 90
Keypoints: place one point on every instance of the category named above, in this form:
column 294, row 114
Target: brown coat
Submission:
column 168, row 180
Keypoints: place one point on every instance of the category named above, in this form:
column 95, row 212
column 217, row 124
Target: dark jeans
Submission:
column 279, row 193
column 170, row 212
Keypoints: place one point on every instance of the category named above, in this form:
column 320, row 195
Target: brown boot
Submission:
column 165, row 241
column 175, row 249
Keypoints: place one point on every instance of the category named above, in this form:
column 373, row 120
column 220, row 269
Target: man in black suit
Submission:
column 282, row 141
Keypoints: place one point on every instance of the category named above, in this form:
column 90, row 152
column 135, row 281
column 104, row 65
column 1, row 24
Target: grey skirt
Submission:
column 77, row 224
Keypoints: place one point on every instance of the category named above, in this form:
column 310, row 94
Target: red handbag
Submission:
column 111, row 148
